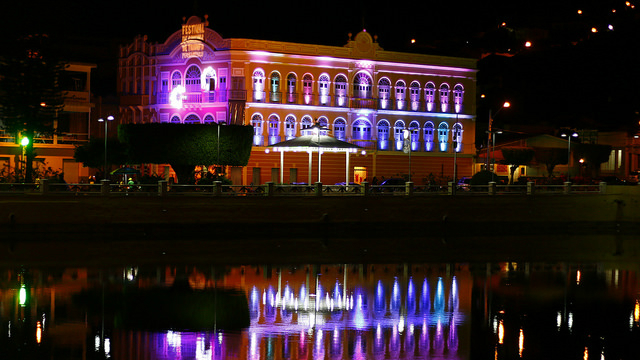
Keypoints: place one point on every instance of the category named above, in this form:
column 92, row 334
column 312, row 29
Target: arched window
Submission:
column 289, row 127
column 458, row 96
column 323, row 89
column 428, row 136
column 339, row 129
column 258, row 85
column 456, row 137
column 443, row 136
column 430, row 95
column 256, row 122
column 307, row 88
column 274, row 129
column 305, row 125
column 192, row 119
column 291, row 88
column 384, row 87
column 274, row 94
column 208, row 79
column 176, row 79
column 362, row 85
column 414, row 127
column 341, row 90
column 414, row 95
column 400, row 95
column 208, row 119
column 323, row 122
column 383, row 135
column 175, row 119
column 444, row 97
column 398, row 134
column 361, row 130
column 192, row 79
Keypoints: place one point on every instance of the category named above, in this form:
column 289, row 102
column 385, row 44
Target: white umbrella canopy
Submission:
column 314, row 143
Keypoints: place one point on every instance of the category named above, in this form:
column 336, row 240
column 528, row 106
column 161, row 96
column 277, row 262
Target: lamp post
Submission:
column 406, row 134
column 569, row 136
column 506, row 104
column 24, row 142
column 106, row 129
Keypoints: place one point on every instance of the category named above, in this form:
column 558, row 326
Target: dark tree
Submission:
column 30, row 93
column 92, row 154
column 593, row 155
column 515, row 157
column 551, row 157
column 184, row 146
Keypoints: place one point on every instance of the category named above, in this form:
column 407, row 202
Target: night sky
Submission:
column 572, row 59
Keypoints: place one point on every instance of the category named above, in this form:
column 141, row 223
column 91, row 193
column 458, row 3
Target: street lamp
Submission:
column 109, row 118
column 24, row 142
column 505, row 105
column 569, row 136
column 406, row 134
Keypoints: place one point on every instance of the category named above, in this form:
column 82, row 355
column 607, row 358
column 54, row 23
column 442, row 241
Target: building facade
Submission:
column 72, row 128
column 361, row 93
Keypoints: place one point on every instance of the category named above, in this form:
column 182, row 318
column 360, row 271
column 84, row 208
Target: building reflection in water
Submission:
column 347, row 312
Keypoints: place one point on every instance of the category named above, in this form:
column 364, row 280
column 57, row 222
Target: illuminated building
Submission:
column 360, row 92
column 70, row 130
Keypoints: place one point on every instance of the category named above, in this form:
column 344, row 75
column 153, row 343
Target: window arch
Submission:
column 176, row 79
column 458, row 96
column 274, row 129
column 339, row 129
column 274, row 93
column 444, row 97
column 427, row 135
column 323, row 89
column 414, row 95
column 192, row 79
column 414, row 127
column 362, row 85
column 208, row 79
column 175, row 119
column 384, row 88
column 258, row 85
column 307, row 88
column 192, row 119
column 430, row 95
column 209, row 119
column 305, row 125
column 456, row 137
column 361, row 130
column 291, row 88
column 340, row 90
column 256, row 122
column 398, row 134
column 324, row 123
column 443, row 136
column 400, row 95
column 383, row 134
column 289, row 127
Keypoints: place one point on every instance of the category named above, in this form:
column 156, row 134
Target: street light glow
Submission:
column 24, row 141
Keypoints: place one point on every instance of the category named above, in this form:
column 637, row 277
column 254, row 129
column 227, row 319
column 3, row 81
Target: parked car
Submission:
column 464, row 183
column 392, row 184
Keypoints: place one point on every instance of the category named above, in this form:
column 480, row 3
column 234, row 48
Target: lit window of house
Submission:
column 258, row 85
column 289, row 127
column 256, row 122
column 383, row 135
column 430, row 96
column 443, row 136
column 274, row 129
column 384, row 87
column 456, row 137
column 339, row 129
column 398, row 134
column 414, row 94
column 458, row 96
column 428, row 136
column 341, row 91
column 400, row 95
column 444, row 97
column 361, row 130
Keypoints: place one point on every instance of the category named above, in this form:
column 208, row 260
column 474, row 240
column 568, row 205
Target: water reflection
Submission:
column 408, row 311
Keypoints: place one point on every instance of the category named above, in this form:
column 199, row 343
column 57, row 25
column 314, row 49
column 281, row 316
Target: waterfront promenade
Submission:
column 50, row 230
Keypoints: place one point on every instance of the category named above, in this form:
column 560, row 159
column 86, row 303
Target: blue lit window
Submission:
column 289, row 127
column 274, row 129
column 414, row 94
column 362, row 85
column 305, row 125
column 456, row 136
column 428, row 136
column 443, row 136
column 429, row 96
column 400, row 95
column 383, row 135
column 256, row 122
column 339, row 129
column 361, row 130
column 323, row 122
column 398, row 134
column 176, row 79
column 414, row 126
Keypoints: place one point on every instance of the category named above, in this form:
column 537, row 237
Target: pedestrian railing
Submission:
column 217, row 189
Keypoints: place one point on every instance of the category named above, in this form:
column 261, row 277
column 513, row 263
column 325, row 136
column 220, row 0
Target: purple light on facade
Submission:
column 425, row 298
column 438, row 302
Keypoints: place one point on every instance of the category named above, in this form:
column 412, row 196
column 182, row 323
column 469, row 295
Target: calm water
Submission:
column 346, row 311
